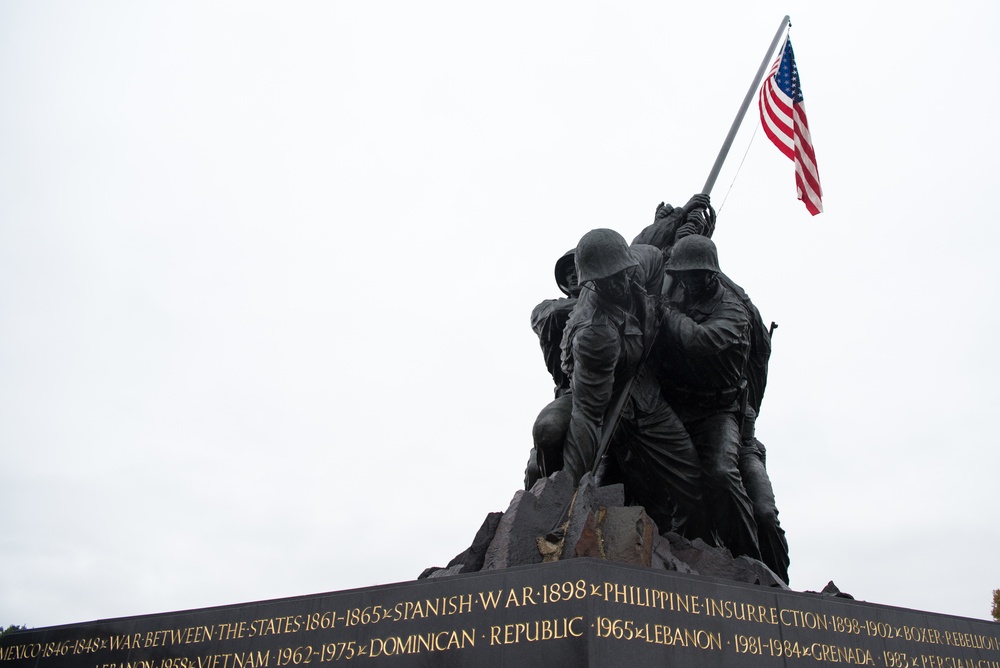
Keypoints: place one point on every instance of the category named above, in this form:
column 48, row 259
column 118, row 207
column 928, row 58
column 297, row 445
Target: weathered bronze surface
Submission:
column 661, row 372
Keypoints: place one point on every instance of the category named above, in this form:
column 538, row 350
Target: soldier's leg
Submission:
column 610, row 470
column 549, row 436
column 770, row 535
column 620, row 467
column 717, row 439
column 667, row 477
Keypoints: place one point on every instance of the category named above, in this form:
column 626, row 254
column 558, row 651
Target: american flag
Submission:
column 783, row 116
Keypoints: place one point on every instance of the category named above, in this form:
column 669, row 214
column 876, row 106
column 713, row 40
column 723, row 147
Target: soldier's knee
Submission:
column 548, row 432
column 765, row 515
column 719, row 472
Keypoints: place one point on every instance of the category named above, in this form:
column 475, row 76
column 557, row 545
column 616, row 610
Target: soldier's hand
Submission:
column 688, row 228
column 662, row 210
column 699, row 201
column 695, row 222
column 709, row 223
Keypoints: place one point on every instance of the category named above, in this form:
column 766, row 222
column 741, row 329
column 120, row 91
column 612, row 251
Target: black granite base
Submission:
column 575, row 613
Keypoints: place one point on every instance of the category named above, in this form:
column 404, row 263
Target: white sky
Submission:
column 266, row 271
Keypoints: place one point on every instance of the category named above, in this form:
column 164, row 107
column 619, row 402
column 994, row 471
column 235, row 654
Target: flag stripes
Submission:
column 783, row 117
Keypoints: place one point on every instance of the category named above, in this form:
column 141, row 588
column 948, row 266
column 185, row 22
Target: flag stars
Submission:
column 788, row 74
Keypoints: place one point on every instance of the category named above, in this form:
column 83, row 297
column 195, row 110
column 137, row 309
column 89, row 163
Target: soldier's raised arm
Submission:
column 697, row 217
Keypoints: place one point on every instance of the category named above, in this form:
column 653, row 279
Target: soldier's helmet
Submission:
column 694, row 253
column 602, row 253
column 564, row 266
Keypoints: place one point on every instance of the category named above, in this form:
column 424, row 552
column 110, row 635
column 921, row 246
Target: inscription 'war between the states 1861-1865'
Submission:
column 707, row 623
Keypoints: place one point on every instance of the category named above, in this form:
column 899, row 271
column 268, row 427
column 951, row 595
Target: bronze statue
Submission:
column 605, row 346
column 664, row 364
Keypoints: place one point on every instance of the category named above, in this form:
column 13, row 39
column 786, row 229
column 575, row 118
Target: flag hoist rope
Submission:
column 710, row 183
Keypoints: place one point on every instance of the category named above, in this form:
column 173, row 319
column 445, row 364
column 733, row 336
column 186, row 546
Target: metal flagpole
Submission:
column 743, row 109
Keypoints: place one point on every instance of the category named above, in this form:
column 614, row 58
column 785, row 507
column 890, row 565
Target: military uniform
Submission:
column 604, row 350
column 703, row 344
column 753, row 455
column 548, row 320
column 669, row 223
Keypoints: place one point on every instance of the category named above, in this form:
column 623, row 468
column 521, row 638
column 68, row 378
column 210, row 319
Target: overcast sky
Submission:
column 266, row 271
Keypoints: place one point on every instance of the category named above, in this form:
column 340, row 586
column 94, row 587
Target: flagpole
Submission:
column 743, row 109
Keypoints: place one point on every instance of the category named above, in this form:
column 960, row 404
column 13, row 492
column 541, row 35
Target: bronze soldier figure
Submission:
column 604, row 350
column 548, row 320
column 704, row 342
column 670, row 224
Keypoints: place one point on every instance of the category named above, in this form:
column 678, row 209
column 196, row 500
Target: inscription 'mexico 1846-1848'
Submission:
column 597, row 608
